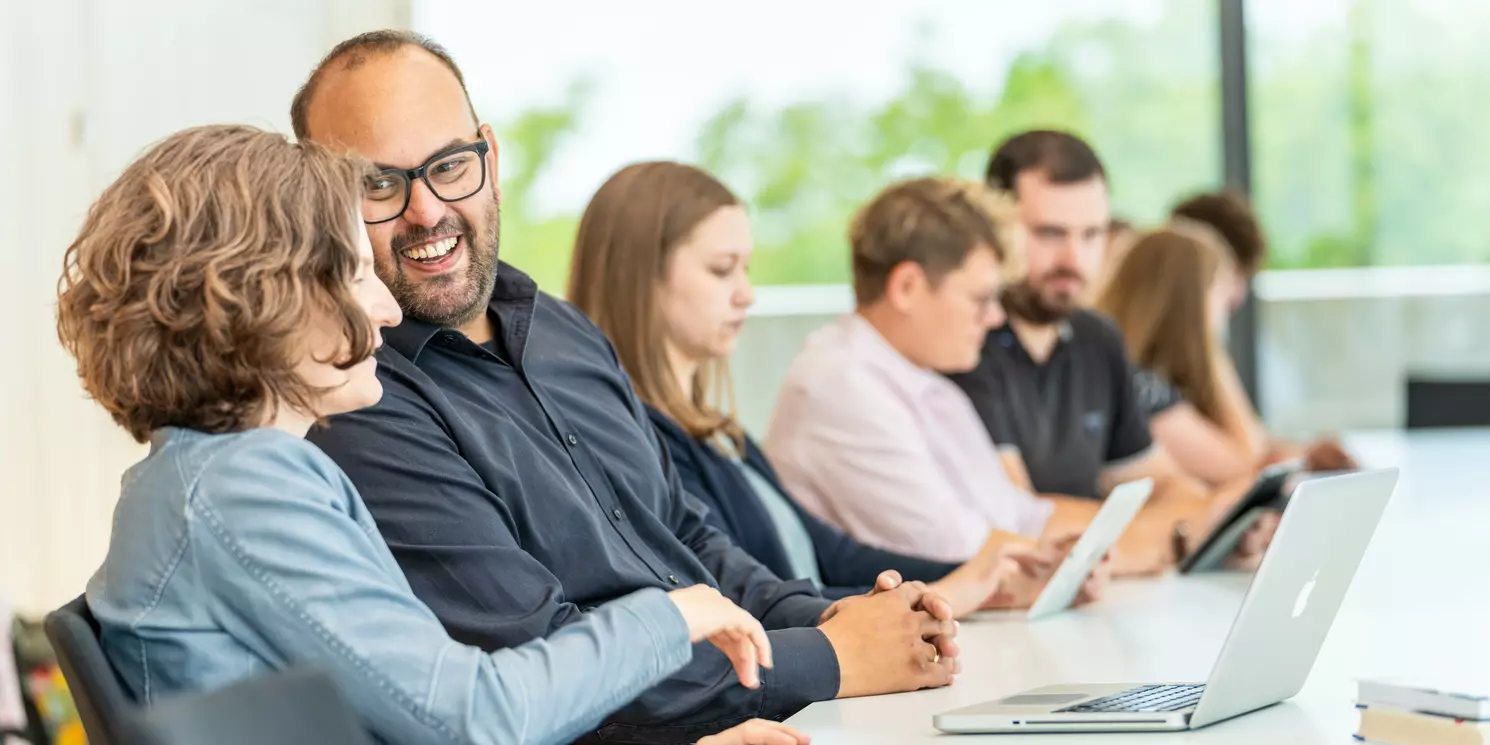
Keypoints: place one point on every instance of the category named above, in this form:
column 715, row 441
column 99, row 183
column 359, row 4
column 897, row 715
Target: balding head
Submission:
column 354, row 53
column 398, row 100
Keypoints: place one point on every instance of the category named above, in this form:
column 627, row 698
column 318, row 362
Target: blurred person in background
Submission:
column 1169, row 294
column 660, row 264
column 1054, row 384
column 1230, row 214
column 867, row 431
column 1120, row 235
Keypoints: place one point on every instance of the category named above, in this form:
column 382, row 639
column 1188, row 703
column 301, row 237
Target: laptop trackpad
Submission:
column 1042, row 699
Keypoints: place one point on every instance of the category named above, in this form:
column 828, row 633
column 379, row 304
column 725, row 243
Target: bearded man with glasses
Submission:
column 509, row 465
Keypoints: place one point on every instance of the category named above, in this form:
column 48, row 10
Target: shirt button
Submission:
column 672, row 579
column 572, row 439
column 617, row 513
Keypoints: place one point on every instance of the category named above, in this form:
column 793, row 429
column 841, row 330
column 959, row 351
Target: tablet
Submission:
column 1117, row 511
column 1266, row 493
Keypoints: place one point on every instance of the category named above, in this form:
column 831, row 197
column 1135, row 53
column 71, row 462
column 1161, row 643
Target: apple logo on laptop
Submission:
column 1299, row 605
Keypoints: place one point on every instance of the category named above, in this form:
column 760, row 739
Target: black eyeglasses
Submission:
column 451, row 176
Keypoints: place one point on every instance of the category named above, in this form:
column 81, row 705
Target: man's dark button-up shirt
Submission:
column 1071, row 416
column 521, row 484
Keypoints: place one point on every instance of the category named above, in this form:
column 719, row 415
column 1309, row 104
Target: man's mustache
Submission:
column 1062, row 274
column 420, row 235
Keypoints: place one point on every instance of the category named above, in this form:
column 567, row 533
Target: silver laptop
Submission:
column 1273, row 642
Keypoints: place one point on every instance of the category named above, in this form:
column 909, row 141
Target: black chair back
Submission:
column 101, row 698
column 1446, row 402
column 299, row 707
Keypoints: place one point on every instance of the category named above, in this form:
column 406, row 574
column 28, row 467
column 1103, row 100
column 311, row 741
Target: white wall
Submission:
column 85, row 85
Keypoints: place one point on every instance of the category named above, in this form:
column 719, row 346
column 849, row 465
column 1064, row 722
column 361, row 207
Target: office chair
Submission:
column 100, row 696
column 299, row 707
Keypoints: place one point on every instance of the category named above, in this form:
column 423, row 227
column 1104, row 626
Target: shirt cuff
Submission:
column 797, row 608
column 806, row 672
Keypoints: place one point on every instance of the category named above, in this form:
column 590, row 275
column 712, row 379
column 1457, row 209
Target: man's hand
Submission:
column 1327, row 455
column 973, row 585
column 892, row 640
column 886, row 581
column 1249, row 551
column 1095, row 584
column 1247, row 555
column 1035, row 565
column 758, row 732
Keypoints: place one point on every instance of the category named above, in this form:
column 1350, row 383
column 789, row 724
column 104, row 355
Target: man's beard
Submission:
column 450, row 300
column 1026, row 302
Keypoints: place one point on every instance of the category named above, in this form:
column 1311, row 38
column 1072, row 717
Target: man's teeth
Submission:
column 432, row 250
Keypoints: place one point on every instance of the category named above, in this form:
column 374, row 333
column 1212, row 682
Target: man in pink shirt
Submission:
column 866, row 433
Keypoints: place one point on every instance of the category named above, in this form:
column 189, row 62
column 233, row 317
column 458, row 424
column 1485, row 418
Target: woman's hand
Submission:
column 727, row 626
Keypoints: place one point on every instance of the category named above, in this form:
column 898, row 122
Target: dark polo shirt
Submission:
column 520, row 484
column 1071, row 417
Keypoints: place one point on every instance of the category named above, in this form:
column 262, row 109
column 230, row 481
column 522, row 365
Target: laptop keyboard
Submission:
column 1146, row 699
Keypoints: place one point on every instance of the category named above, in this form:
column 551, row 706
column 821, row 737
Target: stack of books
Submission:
column 1404, row 713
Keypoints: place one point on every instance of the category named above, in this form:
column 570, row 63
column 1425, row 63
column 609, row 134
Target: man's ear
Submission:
column 487, row 134
column 904, row 285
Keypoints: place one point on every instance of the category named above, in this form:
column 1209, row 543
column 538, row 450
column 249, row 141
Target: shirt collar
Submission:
column 1006, row 336
column 514, row 293
column 876, row 350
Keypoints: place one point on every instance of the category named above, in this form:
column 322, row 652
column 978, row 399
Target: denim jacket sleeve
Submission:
column 294, row 574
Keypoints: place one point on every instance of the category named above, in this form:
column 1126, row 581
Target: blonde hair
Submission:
column 934, row 222
column 626, row 238
column 185, row 295
column 1157, row 294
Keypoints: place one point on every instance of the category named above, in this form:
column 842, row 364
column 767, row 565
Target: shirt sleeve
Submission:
column 851, row 567
column 296, row 577
column 806, row 668
column 884, row 486
column 778, row 604
column 491, row 593
column 1130, row 434
column 1155, row 394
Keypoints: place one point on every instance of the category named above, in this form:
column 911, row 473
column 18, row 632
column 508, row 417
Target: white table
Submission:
column 1419, row 605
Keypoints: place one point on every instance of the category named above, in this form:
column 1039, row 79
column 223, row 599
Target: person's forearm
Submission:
column 806, row 672
column 553, row 690
column 1236, row 426
column 1147, row 546
column 707, row 691
column 1070, row 513
column 1179, row 490
column 777, row 603
column 1238, row 418
column 797, row 605
column 845, row 562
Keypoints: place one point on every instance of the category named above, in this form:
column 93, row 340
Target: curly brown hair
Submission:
column 187, row 294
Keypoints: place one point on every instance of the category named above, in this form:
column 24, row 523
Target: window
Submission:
column 1368, row 129
column 806, row 109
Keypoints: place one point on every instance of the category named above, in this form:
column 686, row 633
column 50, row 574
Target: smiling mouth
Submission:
column 431, row 253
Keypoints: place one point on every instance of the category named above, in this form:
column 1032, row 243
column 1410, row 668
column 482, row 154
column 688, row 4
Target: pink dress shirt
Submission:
column 891, row 453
